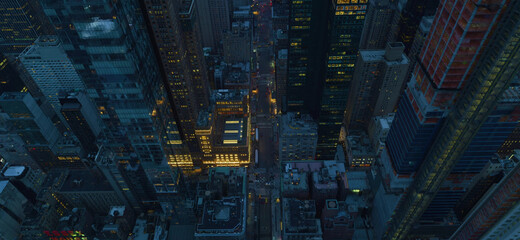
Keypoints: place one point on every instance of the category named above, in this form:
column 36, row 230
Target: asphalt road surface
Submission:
column 264, row 119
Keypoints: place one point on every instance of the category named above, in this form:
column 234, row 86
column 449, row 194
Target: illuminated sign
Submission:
column 65, row 235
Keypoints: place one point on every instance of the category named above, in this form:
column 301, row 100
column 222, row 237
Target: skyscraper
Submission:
column 305, row 59
column 376, row 85
column 111, row 52
column 37, row 131
column 346, row 21
column 321, row 63
column 50, row 68
column 483, row 87
column 443, row 70
column 192, row 38
column 9, row 79
column 183, row 78
column 215, row 17
column 494, row 216
column 83, row 119
column 379, row 17
column 406, row 22
column 21, row 21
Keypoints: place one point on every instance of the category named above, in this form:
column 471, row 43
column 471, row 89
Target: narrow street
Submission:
column 266, row 170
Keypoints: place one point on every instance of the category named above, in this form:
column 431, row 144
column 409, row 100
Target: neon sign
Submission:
column 65, row 235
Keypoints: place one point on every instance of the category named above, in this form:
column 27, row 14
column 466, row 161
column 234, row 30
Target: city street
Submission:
column 263, row 185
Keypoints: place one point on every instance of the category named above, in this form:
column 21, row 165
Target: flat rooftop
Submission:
column 224, row 216
column 293, row 123
column 85, row 181
column 299, row 216
column 294, row 180
column 230, row 94
column 14, row 171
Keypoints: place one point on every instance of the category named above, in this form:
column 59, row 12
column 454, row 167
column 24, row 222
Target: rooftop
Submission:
column 326, row 177
column 357, row 180
column 359, row 145
column 233, row 178
column 230, row 94
column 294, row 180
column 14, row 171
column 299, row 216
column 204, row 118
column 186, row 7
column 224, row 216
column 139, row 232
column 293, row 123
column 85, row 181
column 379, row 56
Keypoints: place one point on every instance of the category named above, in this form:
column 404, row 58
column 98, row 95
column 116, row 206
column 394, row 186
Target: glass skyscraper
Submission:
column 323, row 47
column 493, row 46
column 21, row 21
column 109, row 47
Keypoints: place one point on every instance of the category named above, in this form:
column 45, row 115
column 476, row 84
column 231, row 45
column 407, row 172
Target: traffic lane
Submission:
column 265, row 148
column 264, row 219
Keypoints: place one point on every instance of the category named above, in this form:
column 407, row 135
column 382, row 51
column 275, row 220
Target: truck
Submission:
column 256, row 156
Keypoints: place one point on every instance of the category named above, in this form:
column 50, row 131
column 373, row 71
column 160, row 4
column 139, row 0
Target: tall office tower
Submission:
column 305, row 54
column 22, row 21
column 417, row 44
column 490, row 77
column 321, row 63
column 376, row 85
column 490, row 175
column 83, row 119
column 490, row 136
column 192, row 38
column 10, row 80
column 346, row 22
column 111, row 52
column 495, row 215
column 12, row 203
column 26, row 119
column 379, row 17
column 50, row 68
column 237, row 43
column 178, row 75
column 215, row 17
column 13, row 150
column 406, row 22
column 443, row 70
column 280, row 78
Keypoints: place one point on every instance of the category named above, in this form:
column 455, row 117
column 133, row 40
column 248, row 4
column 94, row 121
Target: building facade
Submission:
column 237, row 43
column 497, row 66
column 376, row 85
column 22, row 22
column 379, row 17
column 435, row 85
column 111, row 50
column 215, row 17
column 51, row 69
